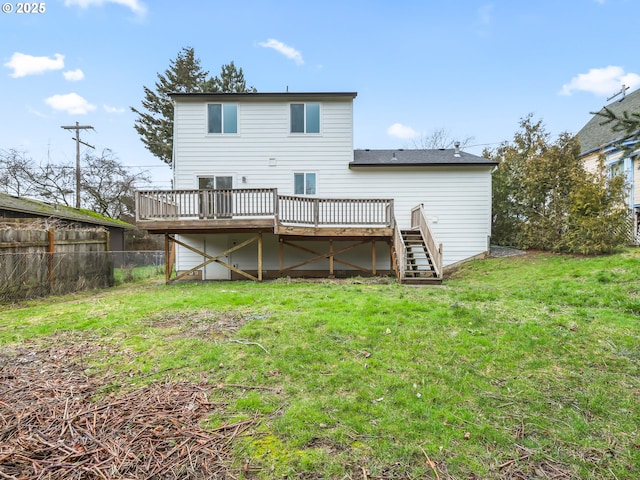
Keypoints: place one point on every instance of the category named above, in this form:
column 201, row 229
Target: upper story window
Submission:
column 222, row 118
column 305, row 118
column 304, row 183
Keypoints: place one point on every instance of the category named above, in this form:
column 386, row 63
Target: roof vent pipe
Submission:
column 393, row 157
column 456, row 153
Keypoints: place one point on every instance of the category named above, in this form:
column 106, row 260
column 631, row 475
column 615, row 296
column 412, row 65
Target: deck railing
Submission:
column 419, row 220
column 288, row 209
column 334, row 211
column 400, row 253
column 209, row 204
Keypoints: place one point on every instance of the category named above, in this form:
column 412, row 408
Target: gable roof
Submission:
column 416, row 158
column 594, row 135
column 49, row 210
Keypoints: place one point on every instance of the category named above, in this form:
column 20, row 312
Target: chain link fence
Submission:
column 30, row 275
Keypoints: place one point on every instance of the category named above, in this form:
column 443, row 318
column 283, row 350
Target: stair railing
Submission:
column 419, row 221
column 400, row 252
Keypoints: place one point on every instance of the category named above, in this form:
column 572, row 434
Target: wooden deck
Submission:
column 237, row 210
column 259, row 211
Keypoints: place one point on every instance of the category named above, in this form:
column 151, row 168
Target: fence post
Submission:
column 51, row 248
column 137, row 205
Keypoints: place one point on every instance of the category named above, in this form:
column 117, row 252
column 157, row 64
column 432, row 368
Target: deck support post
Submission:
column 167, row 266
column 260, row 256
column 373, row 257
column 331, row 275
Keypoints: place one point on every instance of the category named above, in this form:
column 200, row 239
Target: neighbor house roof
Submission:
column 594, row 135
column 50, row 210
column 416, row 158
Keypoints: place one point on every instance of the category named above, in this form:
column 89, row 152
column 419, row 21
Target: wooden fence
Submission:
column 37, row 260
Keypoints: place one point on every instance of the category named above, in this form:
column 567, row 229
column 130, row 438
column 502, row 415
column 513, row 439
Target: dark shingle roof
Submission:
column 261, row 95
column 415, row 158
column 44, row 209
column 595, row 135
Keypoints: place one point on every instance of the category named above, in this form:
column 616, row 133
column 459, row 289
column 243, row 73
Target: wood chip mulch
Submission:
column 53, row 427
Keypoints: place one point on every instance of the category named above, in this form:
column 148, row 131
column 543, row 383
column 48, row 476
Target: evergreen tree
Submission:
column 509, row 200
column 231, row 80
column 184, row 75
column 155, row 123
column 543, row 198
column 624, row 122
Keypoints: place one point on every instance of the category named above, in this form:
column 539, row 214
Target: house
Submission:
column 12, row 207
column 269, row 185
column 597, row 139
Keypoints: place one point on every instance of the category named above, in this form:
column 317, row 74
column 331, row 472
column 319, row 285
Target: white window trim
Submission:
column 206, row 119
column 305, row 172
column 233, row 176
column 299, row 134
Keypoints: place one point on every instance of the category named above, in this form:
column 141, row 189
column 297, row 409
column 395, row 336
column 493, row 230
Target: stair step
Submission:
column 419, row 267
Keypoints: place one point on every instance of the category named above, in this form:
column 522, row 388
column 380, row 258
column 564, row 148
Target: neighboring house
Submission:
column 12, row 207
column 597, row 139
column 269, row 185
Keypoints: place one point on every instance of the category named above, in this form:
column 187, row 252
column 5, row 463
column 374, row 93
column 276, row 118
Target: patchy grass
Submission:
column 129, row 274
column 520, row 367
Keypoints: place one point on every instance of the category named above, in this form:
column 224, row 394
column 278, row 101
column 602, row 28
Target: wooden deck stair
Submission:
column 419, row 268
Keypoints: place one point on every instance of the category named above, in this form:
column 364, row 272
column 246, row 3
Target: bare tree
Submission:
column 111, row 195
column 107, row 185
column 14, row 166
column 54, row 183
column 22, row 177
column 440, row 138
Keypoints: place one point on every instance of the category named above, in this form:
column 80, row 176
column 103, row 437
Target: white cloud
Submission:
column 484, row 19
column 24, row 65
column 110, row 109
column 401, row 131
column 601, row 81
column 289, row 52
column 35, row 112
column 73, row 75
column 485, row 14
column 136, row 6
column 71, row 103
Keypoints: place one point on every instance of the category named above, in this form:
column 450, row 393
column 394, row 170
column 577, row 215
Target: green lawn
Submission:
column 520, row 367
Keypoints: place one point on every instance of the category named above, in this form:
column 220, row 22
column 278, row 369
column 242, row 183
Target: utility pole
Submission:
column 77, row 127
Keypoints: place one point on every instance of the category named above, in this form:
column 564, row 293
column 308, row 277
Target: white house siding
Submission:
column 590, row 162
column 456, row 199
column 263, row 151
column 266, row 155
column 457, row 202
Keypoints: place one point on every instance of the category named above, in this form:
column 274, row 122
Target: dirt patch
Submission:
column 497, row 251
column 52, row 426
column 203, row 323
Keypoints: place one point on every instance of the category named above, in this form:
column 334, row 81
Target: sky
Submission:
column 471, row 68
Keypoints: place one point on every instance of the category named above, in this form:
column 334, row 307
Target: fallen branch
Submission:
column 431, row 463
column 245, row 342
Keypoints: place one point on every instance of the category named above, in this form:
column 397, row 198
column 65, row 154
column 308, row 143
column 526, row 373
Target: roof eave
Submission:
column 433, row 164
column 178, row 95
